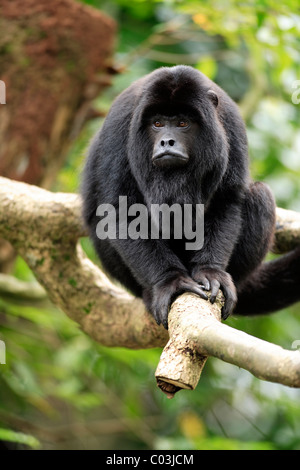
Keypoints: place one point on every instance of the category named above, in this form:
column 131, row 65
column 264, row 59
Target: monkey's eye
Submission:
column 158, row 124
column 182, row 124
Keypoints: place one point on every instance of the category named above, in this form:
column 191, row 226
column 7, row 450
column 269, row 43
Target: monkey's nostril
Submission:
column 171, row 142
column 162, row 143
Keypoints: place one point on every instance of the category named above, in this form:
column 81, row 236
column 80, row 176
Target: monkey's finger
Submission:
column 165, row 322
column 163, row 318
column 228, row 307
column 201, row 279
column 226, row 310
column 215, row 286
column 160, row 314
column 164, row 312
column 206, row 284
column 193, row 287
column 156, row 316
column 230, row 301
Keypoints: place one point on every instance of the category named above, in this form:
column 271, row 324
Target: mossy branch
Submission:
column 45, row 229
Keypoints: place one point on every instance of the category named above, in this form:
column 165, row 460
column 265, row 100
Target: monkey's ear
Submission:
column 214, row 97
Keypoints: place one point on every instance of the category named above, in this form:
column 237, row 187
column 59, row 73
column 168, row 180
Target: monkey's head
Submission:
column 175, row 129
column 176, row 118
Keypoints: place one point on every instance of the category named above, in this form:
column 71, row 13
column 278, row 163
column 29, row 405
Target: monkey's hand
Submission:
column 214, row 279
column 159, row 297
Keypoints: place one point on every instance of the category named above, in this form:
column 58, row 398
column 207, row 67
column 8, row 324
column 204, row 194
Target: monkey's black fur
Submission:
column 212, row 169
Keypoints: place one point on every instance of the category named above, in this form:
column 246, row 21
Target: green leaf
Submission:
column 19, row 437
column 208, row 66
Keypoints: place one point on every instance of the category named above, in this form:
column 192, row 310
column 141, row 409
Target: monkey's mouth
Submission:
column 169, row 160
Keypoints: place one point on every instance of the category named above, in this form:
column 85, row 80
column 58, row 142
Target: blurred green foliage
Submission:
column 66, row 391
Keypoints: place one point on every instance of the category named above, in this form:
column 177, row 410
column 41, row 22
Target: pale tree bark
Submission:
column 45, row 229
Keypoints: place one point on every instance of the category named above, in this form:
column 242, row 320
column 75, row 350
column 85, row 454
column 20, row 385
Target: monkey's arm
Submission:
column 159, row 271
column 222, row 224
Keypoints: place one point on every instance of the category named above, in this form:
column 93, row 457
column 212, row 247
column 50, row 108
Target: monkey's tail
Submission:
column 273, row 286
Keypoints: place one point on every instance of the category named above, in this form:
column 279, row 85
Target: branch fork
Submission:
column 45, row 228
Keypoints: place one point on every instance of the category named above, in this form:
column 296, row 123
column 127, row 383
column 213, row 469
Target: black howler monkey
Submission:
column 175, row 137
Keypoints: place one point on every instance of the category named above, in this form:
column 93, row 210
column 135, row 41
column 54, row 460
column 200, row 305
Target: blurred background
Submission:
column 63, row 63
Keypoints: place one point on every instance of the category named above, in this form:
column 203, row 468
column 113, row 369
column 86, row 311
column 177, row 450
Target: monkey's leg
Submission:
column 257, row 232
column 262, row 287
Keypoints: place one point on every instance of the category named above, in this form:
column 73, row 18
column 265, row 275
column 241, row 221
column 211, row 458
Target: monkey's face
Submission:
column 172, row 137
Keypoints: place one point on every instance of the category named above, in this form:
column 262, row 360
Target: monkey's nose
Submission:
column 167, row 142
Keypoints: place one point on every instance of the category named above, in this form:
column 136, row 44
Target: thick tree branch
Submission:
column 12, row 288
column 287, row 235
column 44, row 228
column 196, row 333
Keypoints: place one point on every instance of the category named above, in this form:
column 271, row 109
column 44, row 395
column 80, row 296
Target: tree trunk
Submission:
column 54, row 60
